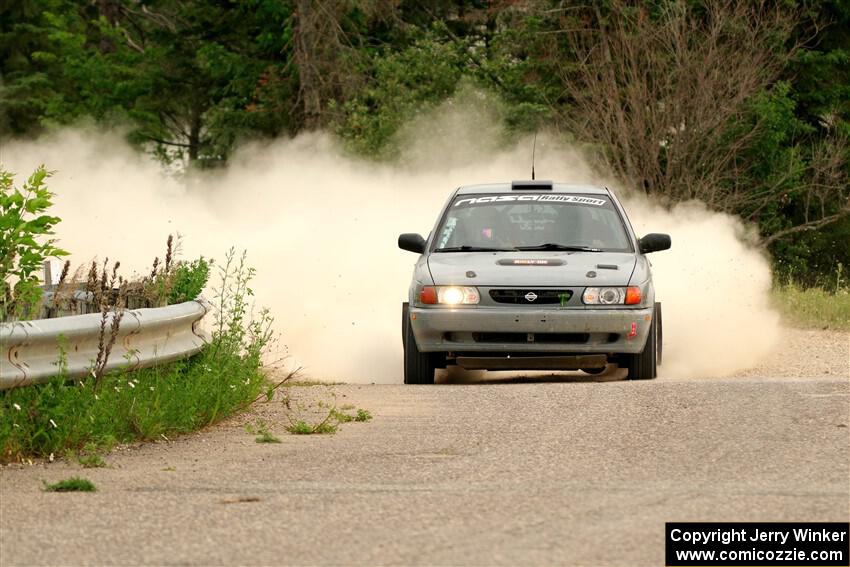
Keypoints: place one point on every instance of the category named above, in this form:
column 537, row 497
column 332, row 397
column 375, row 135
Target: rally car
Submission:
column 532, row 275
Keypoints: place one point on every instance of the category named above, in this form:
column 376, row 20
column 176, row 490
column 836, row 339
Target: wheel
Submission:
column 642, row 366
column 660, row 333
column 419, row 367
column 593, row 370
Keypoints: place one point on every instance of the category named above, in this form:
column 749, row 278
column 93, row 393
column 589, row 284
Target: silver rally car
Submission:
column 532, row 275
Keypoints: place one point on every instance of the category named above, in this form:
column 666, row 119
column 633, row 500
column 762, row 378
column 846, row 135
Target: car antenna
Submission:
column 533, row 148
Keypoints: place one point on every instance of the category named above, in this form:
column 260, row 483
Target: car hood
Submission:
column 527, row 269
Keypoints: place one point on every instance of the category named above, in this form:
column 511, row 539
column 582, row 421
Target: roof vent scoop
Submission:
column 531, row 185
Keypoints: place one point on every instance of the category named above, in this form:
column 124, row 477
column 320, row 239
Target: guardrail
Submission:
column 146, row 337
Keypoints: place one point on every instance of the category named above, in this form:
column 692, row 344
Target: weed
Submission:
column 300, row 427
column 341, row 417
column 91, row 461
column 330, row 423
column 73, row 484
column 324, row 427
column 266, row 436
column 261, row 430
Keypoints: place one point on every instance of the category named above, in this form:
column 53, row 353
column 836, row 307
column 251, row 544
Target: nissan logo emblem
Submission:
column 530, row 296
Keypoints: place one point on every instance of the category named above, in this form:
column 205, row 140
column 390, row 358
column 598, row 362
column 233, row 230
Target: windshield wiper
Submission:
column 554, row 246
column 466, row 248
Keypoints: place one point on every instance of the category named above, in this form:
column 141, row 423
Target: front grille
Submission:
column 547, row 338
column 531, row 296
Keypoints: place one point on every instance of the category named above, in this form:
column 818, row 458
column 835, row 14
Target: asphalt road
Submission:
column 550, row 471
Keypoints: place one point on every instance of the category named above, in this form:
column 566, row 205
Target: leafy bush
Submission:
column 24, row 225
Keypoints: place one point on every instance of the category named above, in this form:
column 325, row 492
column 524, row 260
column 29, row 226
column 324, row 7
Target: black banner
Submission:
column 763, row 544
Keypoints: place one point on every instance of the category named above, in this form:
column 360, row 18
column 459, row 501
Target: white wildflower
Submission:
column 131, row 384
column 17, row 407
column 53, row 423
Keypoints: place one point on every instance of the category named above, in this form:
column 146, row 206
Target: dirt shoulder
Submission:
column 804, row 353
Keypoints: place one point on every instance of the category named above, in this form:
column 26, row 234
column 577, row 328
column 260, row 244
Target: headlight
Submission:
column 611, row 296
column 449, row 295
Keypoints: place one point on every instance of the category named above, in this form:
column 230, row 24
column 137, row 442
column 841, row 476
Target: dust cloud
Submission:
column 321, row 228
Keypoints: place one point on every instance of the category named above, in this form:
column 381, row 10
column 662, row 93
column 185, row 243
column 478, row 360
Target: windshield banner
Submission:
column 540, row 198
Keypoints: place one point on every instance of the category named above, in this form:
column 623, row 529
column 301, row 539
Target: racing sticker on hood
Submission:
column 530, row 262
column 540, row 198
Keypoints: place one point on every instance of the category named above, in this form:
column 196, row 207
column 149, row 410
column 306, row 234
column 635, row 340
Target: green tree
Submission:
column 190, row 77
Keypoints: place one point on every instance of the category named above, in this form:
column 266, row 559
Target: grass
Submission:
column 813, row 308
column 143, row 405
column 226, row 376
column 73, row 484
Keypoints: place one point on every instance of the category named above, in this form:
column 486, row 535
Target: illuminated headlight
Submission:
column 449, row 295
column 611, row 296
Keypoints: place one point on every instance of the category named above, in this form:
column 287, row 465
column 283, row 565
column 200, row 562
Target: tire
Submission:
column 593, row 371
column 404, row 322
column 660, row 338
column 419, row 367
column 642, row 366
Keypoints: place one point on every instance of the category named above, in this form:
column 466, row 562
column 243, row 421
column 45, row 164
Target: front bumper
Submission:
column 500, row 330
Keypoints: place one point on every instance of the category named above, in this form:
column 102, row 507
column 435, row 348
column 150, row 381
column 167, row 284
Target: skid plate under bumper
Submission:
column 532, row 362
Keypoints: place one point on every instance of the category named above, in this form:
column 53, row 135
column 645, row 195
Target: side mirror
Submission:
column 411, row 242
column 654, row 242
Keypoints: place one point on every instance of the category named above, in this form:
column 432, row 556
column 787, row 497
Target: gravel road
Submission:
column 544, row 470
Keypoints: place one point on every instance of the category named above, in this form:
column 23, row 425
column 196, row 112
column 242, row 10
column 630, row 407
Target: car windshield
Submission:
column 531, row 221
